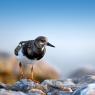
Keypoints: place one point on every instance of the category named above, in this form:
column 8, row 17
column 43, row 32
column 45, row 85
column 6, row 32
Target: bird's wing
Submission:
column 17, row 49
column 21, row 44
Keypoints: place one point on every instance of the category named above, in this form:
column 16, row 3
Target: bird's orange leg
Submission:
column 21, row 71
column 32, row 75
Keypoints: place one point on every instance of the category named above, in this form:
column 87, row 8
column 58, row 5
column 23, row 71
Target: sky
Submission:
column 68, row 24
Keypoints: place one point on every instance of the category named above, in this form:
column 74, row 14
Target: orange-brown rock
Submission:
column 10, row 71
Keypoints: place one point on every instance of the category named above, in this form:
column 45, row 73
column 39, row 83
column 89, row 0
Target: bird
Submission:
column 30, row 51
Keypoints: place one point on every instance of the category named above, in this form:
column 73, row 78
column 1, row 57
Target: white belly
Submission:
column 24, row 59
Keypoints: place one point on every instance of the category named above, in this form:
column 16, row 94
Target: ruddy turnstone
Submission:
column 32, row 50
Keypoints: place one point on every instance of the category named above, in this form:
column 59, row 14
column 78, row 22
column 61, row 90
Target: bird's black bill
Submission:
column 49, row 44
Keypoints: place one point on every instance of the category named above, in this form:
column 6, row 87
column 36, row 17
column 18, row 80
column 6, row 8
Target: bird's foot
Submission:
column 21, row 76
column 34, row 80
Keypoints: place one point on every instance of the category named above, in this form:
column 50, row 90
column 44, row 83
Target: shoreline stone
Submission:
column 50, row 87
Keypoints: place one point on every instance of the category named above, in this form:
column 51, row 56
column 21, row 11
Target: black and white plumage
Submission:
column 32, row 50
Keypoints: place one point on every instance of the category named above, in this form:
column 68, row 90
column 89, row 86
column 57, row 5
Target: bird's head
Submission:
column 42, row 41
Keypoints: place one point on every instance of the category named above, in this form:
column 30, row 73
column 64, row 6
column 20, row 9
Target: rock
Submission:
column 90, row 90
column 24, row 85
column 47, row 87
column 86, row 90
column 83, row 82
column 8, row 92
column 43, row 71
column 86, row 79
column 83, row 72
column 53, row 85
column 2, row 85
column 58, row 92
column 9, row 75
column 27, row 86
column 85, row 86
column 69, row 84
column 36, row 91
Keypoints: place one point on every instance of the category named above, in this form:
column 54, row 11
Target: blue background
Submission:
column 68, row 24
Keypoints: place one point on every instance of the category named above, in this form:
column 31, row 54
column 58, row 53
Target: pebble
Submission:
column 50, row 87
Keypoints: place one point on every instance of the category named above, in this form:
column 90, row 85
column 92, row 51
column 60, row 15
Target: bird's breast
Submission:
column 23, row 59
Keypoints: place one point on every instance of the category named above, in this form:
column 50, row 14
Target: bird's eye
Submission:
column 42, row 40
